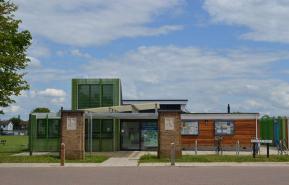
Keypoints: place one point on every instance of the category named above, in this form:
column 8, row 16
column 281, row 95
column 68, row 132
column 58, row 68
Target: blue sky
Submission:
column 212, row 52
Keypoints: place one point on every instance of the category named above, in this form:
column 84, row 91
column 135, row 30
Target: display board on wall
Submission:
column 150, row 135
column 169, row 123
column 224, row 127
column 190, row 128
column 71, row 123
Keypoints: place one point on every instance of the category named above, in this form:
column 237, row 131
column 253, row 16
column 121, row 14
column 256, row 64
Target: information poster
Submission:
column 169, row 123
column 150, row 135
column 71, row 123
column 224, row 127
column 190, row 128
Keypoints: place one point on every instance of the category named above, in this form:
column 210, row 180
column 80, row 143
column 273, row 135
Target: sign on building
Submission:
column 71, row 123
column 169, row 123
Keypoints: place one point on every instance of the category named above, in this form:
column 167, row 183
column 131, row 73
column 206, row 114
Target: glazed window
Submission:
column 190, row 128
column 53, row 128
column 107, row 95
column 41, row 128
column 224, row 127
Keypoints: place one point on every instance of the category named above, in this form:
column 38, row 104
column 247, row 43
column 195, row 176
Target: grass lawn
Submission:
column 8, row 158
column 216, row 158
column 14, row 143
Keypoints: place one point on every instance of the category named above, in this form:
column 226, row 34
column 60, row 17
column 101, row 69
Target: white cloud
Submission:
column 52, row 92
column 78, row 53
column 34, row 62
column 209, row 79
column 94, row 22
column 51, row 98
column 12, row 109
column 38, row 50
column 266, row 19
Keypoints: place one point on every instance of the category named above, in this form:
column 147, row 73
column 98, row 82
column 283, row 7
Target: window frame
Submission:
column 49, row 129
column 224, row 134
column 103, row 96
column 45, row 128
column 188, row 121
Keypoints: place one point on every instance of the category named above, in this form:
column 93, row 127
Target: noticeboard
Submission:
column 169, row 123
column 71, row 123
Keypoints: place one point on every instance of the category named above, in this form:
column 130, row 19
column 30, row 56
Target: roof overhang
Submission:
column 123, row 112
column 163, row 102
column 124, row 108
column 50, row 115
column 117, row 115
column 219, row 116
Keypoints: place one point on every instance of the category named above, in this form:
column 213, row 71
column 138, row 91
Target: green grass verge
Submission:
column 216, row 158
column 14, row 143
column 8, row 158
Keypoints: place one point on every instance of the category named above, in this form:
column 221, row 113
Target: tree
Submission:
column 16, row 122
column 41, row 110
column 13, row 57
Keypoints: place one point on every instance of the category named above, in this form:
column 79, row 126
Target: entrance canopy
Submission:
column 133, row 111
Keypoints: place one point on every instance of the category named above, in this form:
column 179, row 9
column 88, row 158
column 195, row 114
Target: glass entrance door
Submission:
column 130, row 136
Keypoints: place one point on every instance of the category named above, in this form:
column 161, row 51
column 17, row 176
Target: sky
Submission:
column 211, row 52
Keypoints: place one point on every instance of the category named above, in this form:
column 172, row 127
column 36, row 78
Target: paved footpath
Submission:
column 146, row 175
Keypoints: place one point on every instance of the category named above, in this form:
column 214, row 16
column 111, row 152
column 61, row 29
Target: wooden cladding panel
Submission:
column 244, row 131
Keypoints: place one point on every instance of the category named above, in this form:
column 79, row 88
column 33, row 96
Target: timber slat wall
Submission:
column 244, row 131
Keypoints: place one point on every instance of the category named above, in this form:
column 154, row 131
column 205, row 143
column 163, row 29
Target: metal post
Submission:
column 238, row 148
column 267, row 150
column 30, row 136
column 254, row 150
column 90, row 134
column 281, row 146
column 256, row 127
column 173, row 154
column 196, row 147
column 62, row 154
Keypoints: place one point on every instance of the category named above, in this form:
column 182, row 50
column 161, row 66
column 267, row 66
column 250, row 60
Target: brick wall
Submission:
column 73, row 135
column 168, row 135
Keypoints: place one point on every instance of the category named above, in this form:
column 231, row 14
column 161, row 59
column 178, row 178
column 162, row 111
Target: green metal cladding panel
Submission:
column 105, row 91
column 267, row 127
column 43, row 144
column 107, row 88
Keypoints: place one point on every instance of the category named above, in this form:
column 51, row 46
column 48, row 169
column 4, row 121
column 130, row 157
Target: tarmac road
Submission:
column 145, row 176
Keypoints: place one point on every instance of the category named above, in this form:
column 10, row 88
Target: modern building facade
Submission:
column 112, row 123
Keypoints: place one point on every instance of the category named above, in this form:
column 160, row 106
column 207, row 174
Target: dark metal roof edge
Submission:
column 220, row 113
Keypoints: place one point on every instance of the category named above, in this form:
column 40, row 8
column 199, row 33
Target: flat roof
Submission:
column 219, row 116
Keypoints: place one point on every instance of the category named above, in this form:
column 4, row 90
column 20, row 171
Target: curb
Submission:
column 221, row 164
column 184, row 164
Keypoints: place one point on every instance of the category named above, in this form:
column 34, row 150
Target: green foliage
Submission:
column 16, row 122
column 13, row 59
column 41, row 110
